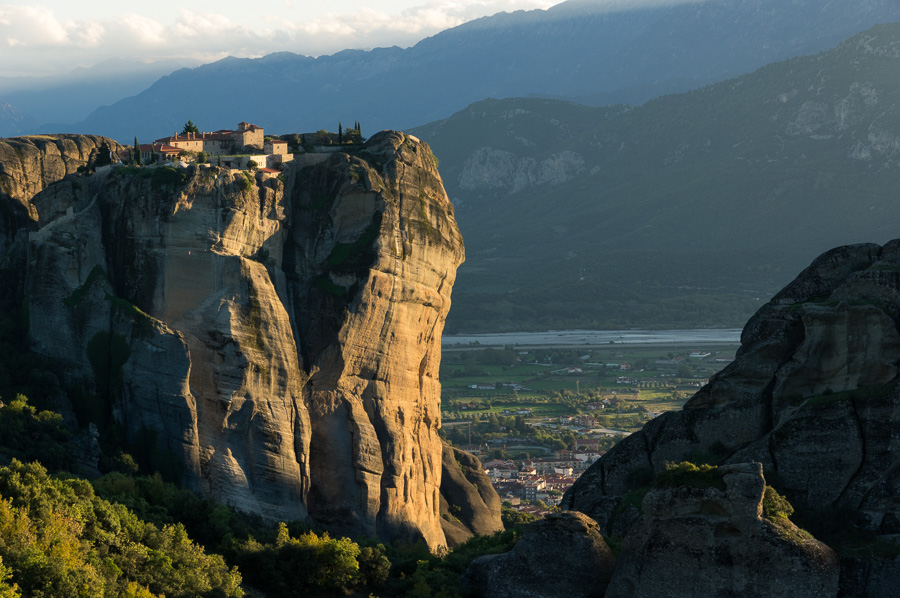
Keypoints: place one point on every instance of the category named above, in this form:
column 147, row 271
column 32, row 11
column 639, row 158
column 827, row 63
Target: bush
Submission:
column 308, row 564
column 690, row 475
column 775, row 505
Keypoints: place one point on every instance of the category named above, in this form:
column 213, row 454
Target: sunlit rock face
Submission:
column 273, row 340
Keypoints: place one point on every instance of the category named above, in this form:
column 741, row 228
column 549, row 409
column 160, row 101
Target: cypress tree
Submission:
column 137, row 152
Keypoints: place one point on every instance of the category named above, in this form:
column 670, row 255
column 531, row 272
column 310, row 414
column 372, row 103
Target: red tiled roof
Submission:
column 217, row 136
column 269, row 170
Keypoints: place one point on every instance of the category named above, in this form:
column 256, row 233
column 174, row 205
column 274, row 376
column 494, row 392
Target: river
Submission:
column 579, row 338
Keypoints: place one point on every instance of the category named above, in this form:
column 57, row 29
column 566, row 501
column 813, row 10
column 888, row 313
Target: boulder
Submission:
column 711, row 542
column 469, row 504
column 561, row 556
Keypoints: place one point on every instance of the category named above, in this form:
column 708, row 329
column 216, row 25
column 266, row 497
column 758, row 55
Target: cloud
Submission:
column 37, row 41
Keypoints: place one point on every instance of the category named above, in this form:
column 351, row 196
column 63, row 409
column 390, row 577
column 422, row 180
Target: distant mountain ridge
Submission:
column 687, row 211
column 53, row 103
column 576, row 49
column 13, row 121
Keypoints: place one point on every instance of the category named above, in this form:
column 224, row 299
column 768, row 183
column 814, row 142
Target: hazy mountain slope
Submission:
column 69, row 98
column 574, row 49
column 13, row 121
column 677, row 213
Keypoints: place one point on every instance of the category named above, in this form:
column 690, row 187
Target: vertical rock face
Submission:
column 27, row 166
column 369, row 265
column 709, row 542
column 275, row 341
column 469, row 504
column 813, row 395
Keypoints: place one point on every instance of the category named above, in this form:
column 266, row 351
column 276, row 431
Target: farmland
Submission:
column 501, row 397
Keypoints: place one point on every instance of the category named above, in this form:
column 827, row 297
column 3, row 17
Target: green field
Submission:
column 484, row 388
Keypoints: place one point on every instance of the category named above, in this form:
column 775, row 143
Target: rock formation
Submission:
column 561, row 556
column 469, row 504
column 811, row 395
column 30, row 164
column 712, row 542
column 272, row 341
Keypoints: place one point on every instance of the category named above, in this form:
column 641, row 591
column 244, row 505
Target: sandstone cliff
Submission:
column 27, row 166
column 812, row 395
column 31, row 163
column 274, row 341
column 712, row 542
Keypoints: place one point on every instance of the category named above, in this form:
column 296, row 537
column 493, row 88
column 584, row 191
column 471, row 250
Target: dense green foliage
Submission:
column 31, row 434
column 58, row 538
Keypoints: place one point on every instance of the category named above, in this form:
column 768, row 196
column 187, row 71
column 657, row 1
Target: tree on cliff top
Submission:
column 189, row 127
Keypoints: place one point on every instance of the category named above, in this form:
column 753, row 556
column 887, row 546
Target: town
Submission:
column 538, row 417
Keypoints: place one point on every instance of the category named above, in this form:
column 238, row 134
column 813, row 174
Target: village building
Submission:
column 233, row 149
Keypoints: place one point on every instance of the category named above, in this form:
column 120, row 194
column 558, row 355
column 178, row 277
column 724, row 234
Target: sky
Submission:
column 52, row 37
column 48, row 37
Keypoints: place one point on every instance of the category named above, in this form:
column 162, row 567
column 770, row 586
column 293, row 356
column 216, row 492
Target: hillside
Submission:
column 576, row 49
column 681, row 212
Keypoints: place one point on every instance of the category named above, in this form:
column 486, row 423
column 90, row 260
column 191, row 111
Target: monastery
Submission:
column 235, row 148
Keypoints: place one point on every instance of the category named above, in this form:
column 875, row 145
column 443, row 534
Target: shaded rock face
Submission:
column 469, row 504
column 710, row 542
column 812, row 395
column 27, row 166
column 275, row 341
column 561, row 556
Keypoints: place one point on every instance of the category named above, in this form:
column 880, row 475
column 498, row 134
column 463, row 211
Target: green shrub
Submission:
column 775, row 505
column 690, row 475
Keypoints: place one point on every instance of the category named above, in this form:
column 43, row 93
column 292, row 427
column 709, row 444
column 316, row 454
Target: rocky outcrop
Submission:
column 30, row 164
column 812, row 395
column 273, row 341
column 27, row 166
column 489, row 168
column 711, row 542
column 561, row 556
column 469, row 504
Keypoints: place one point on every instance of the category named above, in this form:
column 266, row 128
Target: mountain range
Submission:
column 686, row 211
column 590, row 51
column 53, row 103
